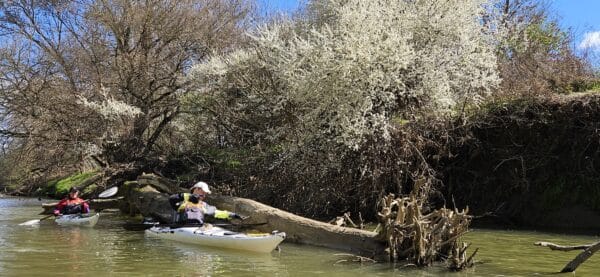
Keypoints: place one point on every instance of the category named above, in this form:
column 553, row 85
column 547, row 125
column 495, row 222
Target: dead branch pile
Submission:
column 422, row 239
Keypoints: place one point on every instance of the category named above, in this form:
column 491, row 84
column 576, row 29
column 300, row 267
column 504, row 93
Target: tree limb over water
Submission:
column 589, row 250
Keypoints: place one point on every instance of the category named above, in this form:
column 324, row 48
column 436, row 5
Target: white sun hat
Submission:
column 202, row 185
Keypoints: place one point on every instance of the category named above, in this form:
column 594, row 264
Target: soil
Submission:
column 530, row 164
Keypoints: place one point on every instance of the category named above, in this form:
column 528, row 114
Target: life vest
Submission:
column 191, row 212
column 187, row 204
column 73, row 206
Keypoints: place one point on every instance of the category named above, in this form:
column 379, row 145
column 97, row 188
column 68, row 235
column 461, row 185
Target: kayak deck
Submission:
column 77, row 220
column 214, row 236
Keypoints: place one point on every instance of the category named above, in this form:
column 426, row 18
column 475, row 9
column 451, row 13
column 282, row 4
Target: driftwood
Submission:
column 589, row 250
column 421, row 239
column 303, row 230
column 553, row 246
column 353, row 259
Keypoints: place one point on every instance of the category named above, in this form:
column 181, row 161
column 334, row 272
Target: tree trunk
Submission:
column 150, row 202
column 303, row 230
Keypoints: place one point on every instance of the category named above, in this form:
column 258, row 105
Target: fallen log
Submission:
column 303, row 230
column 150, row 202
column 588, row 251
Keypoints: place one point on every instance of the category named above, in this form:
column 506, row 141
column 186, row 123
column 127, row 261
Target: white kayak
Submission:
column 214, row 236
column 77, row 220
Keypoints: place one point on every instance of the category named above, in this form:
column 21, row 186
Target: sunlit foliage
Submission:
column 348, row 78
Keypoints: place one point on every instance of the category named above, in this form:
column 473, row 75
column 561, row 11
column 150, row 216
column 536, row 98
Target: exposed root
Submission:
column 420, row 238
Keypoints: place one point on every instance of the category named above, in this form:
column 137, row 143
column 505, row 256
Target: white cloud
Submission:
column 590, row 40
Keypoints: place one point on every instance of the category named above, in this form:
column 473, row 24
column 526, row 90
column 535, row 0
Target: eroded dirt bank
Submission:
column 531, row 164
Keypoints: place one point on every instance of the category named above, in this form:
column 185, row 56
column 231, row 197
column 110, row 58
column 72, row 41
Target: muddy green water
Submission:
column 110, row 250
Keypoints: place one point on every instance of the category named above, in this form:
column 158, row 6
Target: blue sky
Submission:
column 279, row 5
column 582, row 16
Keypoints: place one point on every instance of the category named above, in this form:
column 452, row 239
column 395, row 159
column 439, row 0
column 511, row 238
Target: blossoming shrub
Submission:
column 323, row 89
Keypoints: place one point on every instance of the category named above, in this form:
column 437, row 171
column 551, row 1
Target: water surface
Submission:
column 110, row 250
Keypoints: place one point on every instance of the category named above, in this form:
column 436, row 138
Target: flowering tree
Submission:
column 325, row 95
column 347, row 79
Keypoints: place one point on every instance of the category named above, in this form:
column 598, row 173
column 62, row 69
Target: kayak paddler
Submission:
column 190, row 207
column 72, row 204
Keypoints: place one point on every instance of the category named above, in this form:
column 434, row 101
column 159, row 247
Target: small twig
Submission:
column 357, row 258
column 470, row 259
column 347, row 218
column 361, row 222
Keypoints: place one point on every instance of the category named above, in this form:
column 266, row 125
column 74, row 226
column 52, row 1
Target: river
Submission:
column 110, row 250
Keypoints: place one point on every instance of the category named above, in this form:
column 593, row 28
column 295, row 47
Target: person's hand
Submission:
column 195, row 198
column 57, row 213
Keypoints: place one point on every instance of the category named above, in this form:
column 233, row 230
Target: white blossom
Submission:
column 110, row 108
column 369, row 62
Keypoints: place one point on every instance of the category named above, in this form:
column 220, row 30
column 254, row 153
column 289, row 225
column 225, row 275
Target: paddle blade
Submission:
column 109, row 192
column 30, row 222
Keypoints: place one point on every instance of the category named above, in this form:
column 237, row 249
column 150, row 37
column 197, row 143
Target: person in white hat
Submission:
column 200, row 188
column 191, row 207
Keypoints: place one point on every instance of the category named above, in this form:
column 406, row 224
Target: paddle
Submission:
column 105, row 194
column 212, row 224
column 144, row 226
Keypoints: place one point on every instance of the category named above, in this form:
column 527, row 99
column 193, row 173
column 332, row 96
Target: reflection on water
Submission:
column 108, row 249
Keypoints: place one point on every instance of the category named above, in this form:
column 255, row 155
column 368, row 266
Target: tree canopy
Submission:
column 102, row 78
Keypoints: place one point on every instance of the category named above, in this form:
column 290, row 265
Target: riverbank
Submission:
column 531, row 164
column 519, row 164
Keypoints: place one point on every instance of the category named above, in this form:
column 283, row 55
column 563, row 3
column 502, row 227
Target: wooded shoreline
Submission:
column 418, row 115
